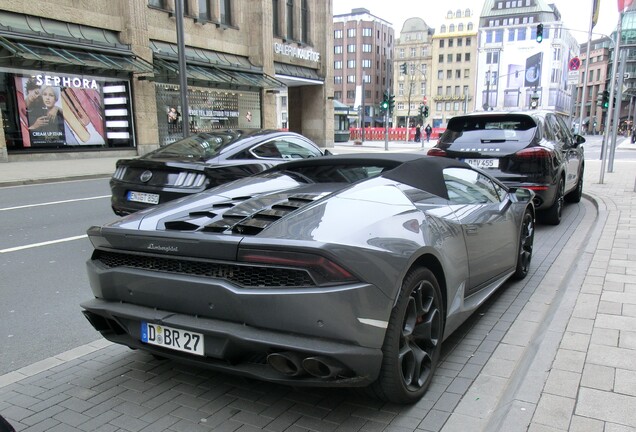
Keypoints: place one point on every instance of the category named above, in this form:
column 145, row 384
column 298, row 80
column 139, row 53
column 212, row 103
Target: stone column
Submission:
column 144, row 101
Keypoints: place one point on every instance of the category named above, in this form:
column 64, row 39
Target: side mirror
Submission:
column 327, row 152
column 579, row 139
column 521, row 194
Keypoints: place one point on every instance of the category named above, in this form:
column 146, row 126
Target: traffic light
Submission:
column 425, row 111
column 539, row 33
column 403, row 68
column 391, row 103
column 422, row 110
column 384, row 105
column 605, row 100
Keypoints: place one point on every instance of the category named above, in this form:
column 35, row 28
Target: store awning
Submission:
column 70, row 58
column 168, row 71
column 294, row 76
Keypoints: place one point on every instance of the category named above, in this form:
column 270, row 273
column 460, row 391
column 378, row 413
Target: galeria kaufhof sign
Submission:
column 293, row 51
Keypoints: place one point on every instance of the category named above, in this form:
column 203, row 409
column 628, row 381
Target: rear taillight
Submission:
column 436, row 152
column 537, row 188
column 119, row 173
column 326, row 269
column 189, row 180
column 534, row 153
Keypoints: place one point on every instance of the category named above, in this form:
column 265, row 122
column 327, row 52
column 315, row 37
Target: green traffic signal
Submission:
column 539, row 33
column 605, row 100
column 384, row 104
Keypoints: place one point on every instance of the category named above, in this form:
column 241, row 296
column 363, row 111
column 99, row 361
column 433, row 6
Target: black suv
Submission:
column 531, row 149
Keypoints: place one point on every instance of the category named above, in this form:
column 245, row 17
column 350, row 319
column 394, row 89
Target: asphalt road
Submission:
column 43, row 249
column 43, row 253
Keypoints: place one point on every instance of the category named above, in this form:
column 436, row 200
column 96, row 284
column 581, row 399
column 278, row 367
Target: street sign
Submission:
column 573, row 77
column 574, row 64
column 425, row 99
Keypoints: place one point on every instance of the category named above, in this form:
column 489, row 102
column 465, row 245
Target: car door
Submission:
column 490, row 232
column 573, row 154
column 563, row 144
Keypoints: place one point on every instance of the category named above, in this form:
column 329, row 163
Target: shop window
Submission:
column 54, row 111
column 209, row 110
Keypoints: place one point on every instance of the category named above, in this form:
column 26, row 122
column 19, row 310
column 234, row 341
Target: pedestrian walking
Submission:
column 428, row 131
column 418, row 133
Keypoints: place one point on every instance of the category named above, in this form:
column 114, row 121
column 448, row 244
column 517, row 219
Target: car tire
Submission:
column 413, row 340
column 552, row 216
column 526, row 242
column 575, row 195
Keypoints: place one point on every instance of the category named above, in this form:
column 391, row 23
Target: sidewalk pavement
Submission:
column 583, row 376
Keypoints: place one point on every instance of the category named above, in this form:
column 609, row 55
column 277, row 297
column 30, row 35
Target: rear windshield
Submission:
column 346, row 173
column 495, row 128
column 201, row 146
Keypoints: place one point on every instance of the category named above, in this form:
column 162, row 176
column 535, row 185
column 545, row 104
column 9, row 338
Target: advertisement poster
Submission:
column 533, row 70
column 60, row 110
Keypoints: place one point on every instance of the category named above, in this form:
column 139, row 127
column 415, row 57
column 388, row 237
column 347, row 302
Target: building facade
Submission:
column 514, row 71
column 594, row 84
column 412, row 72
column 454, row 66
column 362, row 49
column 92, row 78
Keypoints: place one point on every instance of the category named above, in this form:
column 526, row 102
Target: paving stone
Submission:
column 581, row 325
column 575, row 341
column 554, row 411
column 569, row 360
column 584, row 424
column 434, row 420
column 71, row 418
column 598, row 377
column 562, row 383
column 625, row 382
column 99, row 421
column 607, row 337
column 611, row 356
column 606, row 406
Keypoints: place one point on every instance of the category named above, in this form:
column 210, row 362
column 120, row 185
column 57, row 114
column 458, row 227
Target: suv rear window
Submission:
column 489, row 128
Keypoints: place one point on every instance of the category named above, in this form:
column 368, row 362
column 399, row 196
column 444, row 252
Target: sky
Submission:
column 574, row 13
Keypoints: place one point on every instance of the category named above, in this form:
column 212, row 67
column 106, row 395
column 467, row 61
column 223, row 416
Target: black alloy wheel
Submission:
column 526, row 242
column 413, row 340
column 577, row 193
column 552, row 216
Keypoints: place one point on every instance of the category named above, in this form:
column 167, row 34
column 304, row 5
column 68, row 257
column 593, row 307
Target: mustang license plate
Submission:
column 483, row 163
column 143, row 197
column 172, row 338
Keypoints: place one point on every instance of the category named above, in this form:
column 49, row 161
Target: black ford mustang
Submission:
column 531, row 149
column 200, row 162
column 345, row 270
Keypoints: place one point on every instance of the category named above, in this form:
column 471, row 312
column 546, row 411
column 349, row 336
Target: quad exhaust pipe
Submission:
column 288, row 363
column 294, row 364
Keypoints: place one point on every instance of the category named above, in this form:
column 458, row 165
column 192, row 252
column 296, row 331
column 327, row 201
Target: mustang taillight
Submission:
column 328, row 270
column 534, row 153
column 537, row 188
column 189, row 179
column 119, row 173
column 436, row 152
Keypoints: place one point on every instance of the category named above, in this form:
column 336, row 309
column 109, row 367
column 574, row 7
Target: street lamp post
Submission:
column 183, row 78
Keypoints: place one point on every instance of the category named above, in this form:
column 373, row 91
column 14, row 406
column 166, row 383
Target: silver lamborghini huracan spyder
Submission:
column 345, row 270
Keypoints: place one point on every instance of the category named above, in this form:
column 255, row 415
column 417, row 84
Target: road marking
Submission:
column 54, row 202
column 46, row 243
